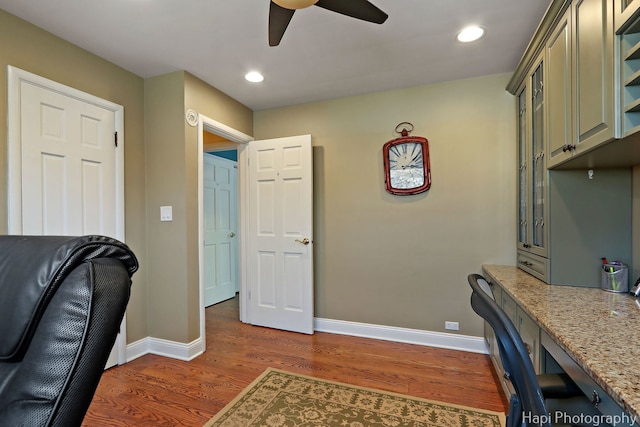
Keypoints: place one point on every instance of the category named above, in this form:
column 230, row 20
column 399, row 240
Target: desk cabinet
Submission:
column 595, row 358
column 528, row 329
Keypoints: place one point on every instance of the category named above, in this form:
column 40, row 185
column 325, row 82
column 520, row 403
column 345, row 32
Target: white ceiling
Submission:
column 323, row 55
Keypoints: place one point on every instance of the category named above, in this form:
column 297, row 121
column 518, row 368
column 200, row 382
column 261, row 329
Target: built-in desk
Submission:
column 596, row 329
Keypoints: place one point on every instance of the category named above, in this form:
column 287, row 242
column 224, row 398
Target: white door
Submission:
column 220, row 198
column 68, row 161
column 280, row 236
column 65, row 165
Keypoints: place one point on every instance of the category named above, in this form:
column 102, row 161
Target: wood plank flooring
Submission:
column 159, row 391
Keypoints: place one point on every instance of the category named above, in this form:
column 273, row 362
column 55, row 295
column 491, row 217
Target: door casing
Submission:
column 15, row 77
column 241, row 139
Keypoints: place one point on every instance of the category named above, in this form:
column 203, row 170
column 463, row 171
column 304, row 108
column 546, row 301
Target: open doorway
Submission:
column 275, row 229
column 220, row 210
column 215, row 136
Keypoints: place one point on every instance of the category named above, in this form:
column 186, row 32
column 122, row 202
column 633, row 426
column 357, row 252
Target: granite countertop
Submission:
column 599, row 330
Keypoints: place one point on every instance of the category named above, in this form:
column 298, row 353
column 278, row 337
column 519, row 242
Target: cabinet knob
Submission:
column 528, row 347
column 595, row 399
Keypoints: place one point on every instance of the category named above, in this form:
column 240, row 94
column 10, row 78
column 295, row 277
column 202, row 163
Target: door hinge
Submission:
column 116, row 138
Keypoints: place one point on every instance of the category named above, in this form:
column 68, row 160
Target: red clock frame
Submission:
column 426, row 165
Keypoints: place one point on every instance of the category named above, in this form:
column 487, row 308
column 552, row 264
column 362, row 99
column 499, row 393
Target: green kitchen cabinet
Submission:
column 568, row 219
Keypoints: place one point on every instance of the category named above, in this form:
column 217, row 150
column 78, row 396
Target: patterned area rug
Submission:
column 278, row 398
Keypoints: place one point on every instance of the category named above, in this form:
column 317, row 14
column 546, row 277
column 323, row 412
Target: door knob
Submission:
column 304, row 241
column 232, row 234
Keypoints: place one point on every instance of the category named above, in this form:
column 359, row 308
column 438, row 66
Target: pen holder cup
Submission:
column 615, row 278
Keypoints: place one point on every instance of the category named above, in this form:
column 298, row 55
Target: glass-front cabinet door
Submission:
column 523, row 174
column 532, row 164
column 538, row 169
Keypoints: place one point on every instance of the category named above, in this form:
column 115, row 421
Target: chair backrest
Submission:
column 526, row 406
column 61, row 303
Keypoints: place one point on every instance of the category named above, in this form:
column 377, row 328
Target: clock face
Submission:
column 406, row 165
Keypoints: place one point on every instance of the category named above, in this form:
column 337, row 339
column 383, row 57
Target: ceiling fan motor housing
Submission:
column 295, row 4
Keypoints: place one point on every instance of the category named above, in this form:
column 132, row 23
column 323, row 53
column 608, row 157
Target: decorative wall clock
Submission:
column 407, row 169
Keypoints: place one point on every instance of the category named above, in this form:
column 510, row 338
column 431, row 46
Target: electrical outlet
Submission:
column 452, row 326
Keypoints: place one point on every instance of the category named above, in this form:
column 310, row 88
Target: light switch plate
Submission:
column 166, row 213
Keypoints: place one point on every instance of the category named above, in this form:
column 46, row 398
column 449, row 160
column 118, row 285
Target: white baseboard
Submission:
column 161, row 347
column 404, row 335
column 190, row 351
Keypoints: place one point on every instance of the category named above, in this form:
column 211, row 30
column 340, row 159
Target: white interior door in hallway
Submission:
column 220, row 196
column 65, row 167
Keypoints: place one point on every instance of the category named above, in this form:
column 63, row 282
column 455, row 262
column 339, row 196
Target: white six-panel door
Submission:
column 65, row 169
column 220, row 198
column 68, row 165
column 280, row 240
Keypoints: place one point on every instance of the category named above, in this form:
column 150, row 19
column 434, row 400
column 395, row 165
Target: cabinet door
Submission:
column 558, row 93
column 524, row 183
column 538, row 163
column 530, row 334
column 509, row 306
column 593, row 75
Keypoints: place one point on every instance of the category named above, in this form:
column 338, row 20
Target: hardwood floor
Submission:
column 159, row 391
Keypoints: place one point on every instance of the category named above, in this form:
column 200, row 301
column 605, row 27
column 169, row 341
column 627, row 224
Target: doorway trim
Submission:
column 241, row 139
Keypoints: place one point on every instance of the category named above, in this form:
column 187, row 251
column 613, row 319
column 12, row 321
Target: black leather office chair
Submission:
column 530, row 395
column 61, row 303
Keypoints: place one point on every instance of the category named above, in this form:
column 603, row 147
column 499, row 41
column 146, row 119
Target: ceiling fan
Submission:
column 281, row 12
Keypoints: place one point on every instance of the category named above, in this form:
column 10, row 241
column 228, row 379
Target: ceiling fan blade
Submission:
column 360, row 9
column 279, row 19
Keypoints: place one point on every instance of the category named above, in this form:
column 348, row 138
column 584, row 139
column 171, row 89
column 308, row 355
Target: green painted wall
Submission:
column 172, row 180
column 403, row 260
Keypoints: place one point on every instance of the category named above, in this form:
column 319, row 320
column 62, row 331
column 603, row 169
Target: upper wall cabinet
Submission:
column 565, row 97
column 580, row 54
column 558, row 59
column 592, row 52
column 594, row 84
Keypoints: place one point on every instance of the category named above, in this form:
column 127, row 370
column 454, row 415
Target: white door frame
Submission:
column 213, row 126
column 15, row 77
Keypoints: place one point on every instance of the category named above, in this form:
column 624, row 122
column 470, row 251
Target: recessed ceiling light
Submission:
column 254, row 77
column 470, row 34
